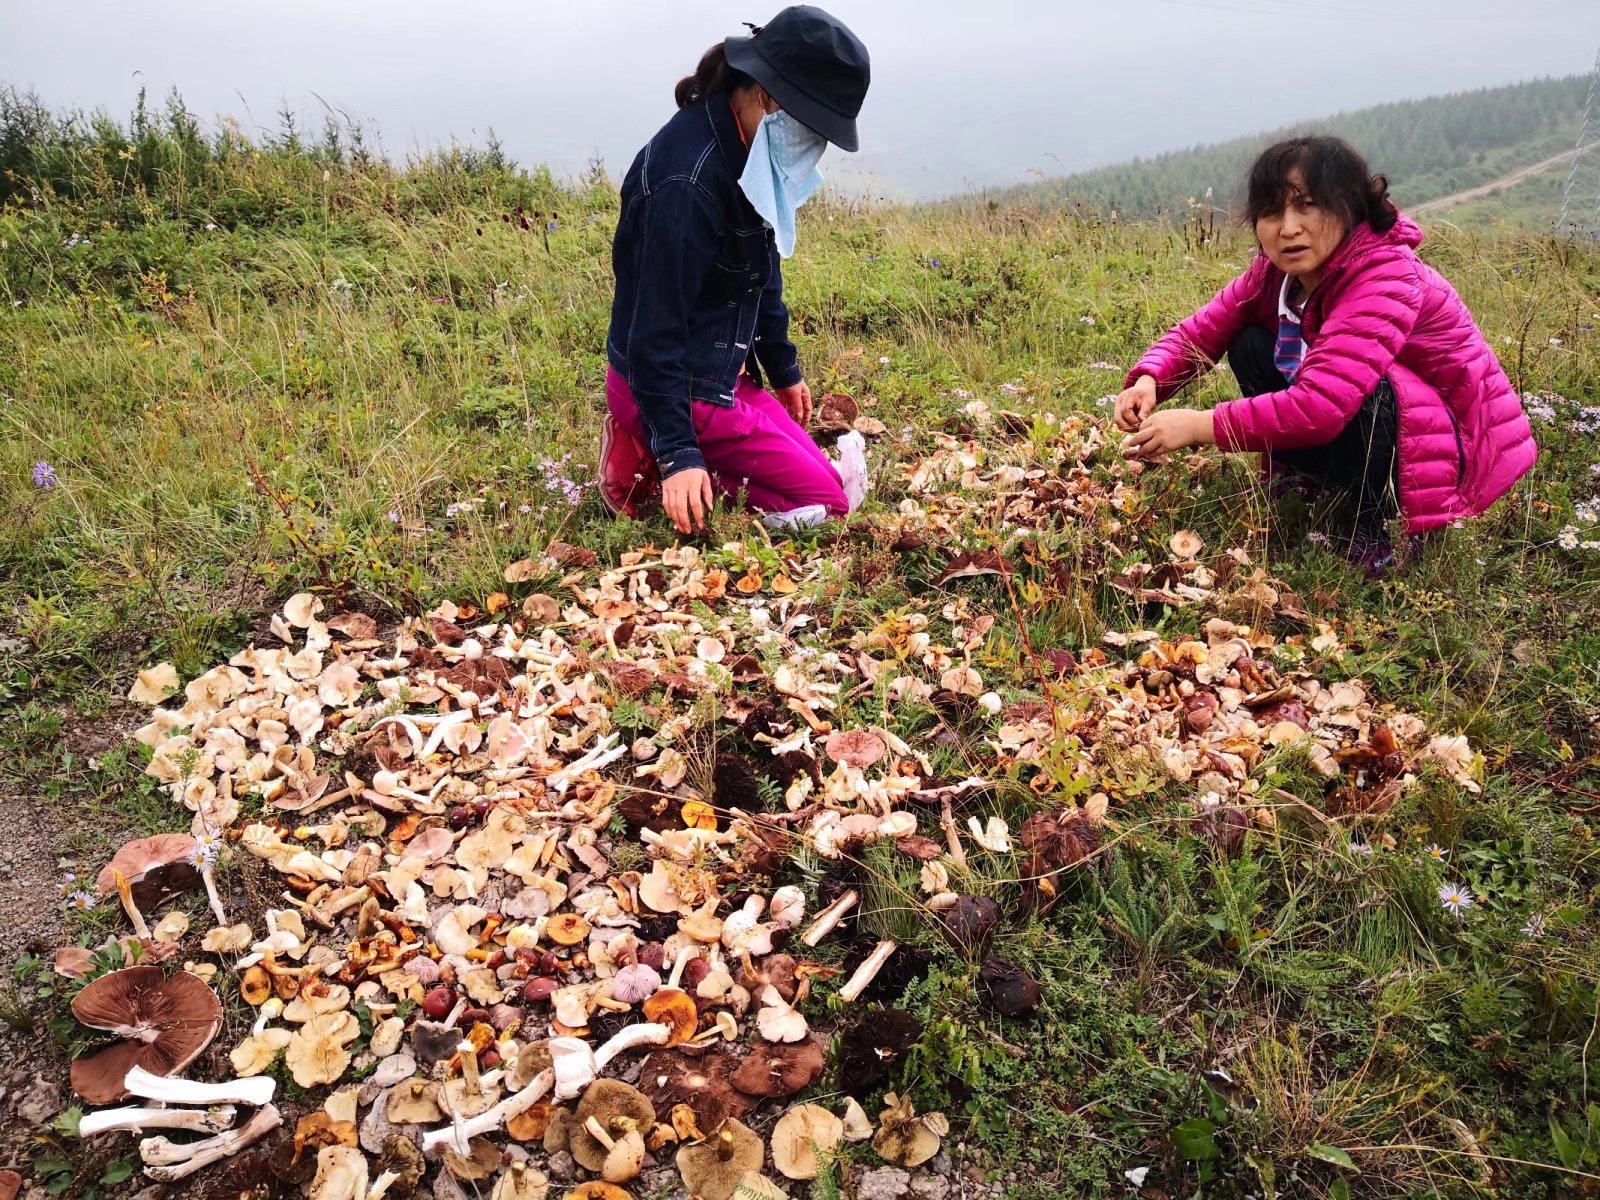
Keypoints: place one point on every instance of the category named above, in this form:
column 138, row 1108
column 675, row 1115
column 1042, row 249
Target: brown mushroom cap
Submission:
column 676, row 1009
column 156, row 867
column 779, row 1070
column 855, row 748
column 482, row 1162
column 400, row 1155
column 167, row 1022
column 712, row 1169
column 670, row 1078
column 598, row 1190
column 558, row 1132
column 608, row 1101
column 775, row 970
column 414, row 1102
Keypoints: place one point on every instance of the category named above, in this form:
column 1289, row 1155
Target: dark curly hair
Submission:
column 1334, row 174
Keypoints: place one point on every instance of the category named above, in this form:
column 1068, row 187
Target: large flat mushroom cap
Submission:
column 155, row 867
column 779, row 1070
column 712, row 1169
column 855, row 748
column 168, row 1020
column 670, row 1078
column 607, row 1101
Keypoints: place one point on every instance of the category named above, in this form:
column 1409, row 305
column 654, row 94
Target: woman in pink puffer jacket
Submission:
column 1359, row 366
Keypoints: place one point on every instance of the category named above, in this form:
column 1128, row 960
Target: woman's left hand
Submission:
column 1163, row 433
column 797, row 400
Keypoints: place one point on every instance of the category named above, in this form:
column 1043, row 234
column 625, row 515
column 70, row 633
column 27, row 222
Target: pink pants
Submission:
column 755, row 447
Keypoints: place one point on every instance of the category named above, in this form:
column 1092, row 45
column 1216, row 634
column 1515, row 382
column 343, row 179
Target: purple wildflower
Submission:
column 44, row 475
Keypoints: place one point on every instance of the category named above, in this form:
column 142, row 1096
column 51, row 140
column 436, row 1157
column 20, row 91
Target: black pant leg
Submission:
column 1364, row 458
column 1253, row 359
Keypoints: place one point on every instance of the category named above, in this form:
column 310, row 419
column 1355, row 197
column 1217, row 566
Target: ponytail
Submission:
column 1381, row 212
column 711, row 76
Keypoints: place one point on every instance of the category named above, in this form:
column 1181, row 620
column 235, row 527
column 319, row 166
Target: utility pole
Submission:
column 1580, row 205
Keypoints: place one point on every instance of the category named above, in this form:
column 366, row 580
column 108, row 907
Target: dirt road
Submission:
column 1537, row 168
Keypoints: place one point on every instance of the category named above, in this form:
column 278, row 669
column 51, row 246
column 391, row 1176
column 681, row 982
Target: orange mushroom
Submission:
column 676, row 1009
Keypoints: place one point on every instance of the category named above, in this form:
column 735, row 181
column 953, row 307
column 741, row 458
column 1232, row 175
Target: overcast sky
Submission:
column 965, row 93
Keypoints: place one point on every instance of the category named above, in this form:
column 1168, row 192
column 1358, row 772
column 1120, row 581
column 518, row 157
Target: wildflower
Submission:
column 1010, row 387
column 201, row 857
column 1456, row 898
column 1102, row 401
column 1567, row 539
column 1534, row 926
column 934, row 263
column 1361, row 849
column 44, row 475
column 1085, row 320
column 883, row 360
column 552, row 227
column 81, row 900
column 1104, row 366
column 392, row 517
column 1433, row 852
column 211, row 226
column 872, row 258
column 1317, row 538
column 524, row 509
column 68, row 879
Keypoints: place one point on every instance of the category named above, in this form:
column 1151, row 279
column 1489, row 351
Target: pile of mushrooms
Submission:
column 497, row 895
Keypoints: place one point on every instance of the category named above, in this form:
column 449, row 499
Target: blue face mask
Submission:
column 781, row 173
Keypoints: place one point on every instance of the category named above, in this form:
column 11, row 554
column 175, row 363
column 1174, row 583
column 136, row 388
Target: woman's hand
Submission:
column 1136, row 403
column 1164, row 433
column 797, row 400
column 685, row 495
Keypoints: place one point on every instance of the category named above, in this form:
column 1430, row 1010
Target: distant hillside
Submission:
column 1428, row 148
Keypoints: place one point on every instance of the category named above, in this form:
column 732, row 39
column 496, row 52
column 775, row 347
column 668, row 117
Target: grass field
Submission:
column 288, row 373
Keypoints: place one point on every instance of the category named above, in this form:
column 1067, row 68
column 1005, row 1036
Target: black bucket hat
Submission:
column 812, row 65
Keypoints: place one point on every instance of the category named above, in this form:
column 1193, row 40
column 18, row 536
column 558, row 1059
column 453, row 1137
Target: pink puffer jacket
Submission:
column 1379, row 311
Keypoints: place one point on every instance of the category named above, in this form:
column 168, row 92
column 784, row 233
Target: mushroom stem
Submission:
column 271, row 1008
column 867, row 971
column 947, row 820
column 457, row 1134
column 455, row 1013
column 828, row 919
column 203, row 1154
column 469, row 1068
column 209, row 878
column 257, row 1089
column 645, row 1033
column 381, row 1185
column 598, row 1132
column 725, row 1144
column 125, row 892
column 685, row 953
column 212, row 1120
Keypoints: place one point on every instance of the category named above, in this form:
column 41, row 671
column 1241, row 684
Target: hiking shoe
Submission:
column 627, row 472
column 1376, row 554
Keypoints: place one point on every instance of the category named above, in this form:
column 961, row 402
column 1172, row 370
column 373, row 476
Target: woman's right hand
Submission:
column 685, row 495
column 1136, row 403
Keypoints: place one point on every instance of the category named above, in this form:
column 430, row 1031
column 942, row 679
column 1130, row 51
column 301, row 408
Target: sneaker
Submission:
column 627, row 472
column 853, row 474
column 796, row 519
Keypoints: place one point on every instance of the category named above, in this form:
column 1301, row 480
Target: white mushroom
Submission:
column 202, row 1154
column 201, row 1120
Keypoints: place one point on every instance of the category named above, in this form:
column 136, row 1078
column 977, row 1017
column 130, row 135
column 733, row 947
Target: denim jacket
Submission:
column 699, row 286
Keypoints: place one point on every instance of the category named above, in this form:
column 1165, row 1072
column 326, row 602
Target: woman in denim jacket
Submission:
column 699, row 318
